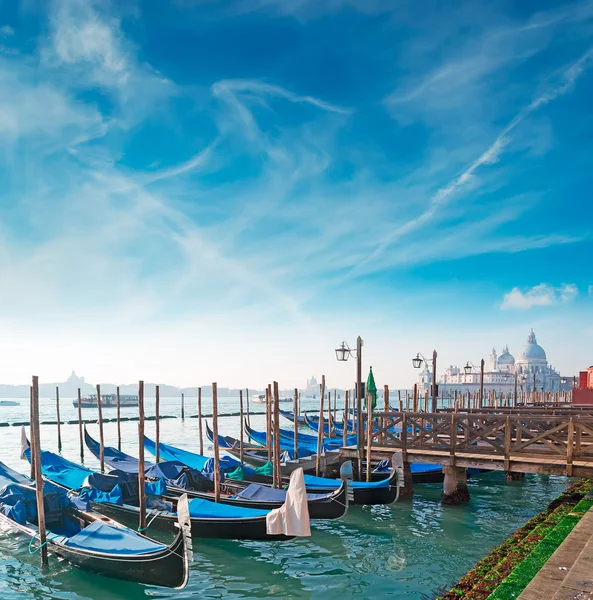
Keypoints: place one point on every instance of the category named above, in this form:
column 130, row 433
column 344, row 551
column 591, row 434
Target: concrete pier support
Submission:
column 512, row 476
column 455, row 488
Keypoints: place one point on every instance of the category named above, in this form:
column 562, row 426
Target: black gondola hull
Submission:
column 168, row 567
column 224, row 529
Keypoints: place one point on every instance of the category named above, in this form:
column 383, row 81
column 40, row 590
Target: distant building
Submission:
column 531, row 368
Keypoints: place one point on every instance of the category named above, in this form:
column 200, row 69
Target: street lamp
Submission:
column 343, row 353
column 417, row 362
column 469, row 367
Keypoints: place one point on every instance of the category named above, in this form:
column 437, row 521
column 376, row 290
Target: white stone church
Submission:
column 530, row 367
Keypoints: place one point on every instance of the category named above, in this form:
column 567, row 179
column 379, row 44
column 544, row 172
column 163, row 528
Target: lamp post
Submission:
column 343, row 353
column 417, row 363
column 469, row 366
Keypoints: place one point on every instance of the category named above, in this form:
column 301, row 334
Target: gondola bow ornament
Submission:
column 185, row 525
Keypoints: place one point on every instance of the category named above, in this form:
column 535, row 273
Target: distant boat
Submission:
column 259, row 398
column 9, row 403
column 107, row 401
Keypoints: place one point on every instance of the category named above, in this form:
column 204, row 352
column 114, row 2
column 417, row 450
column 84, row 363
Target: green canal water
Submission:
column 409, row 550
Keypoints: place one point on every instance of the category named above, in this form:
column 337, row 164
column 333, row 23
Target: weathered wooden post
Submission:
column 200, row 421
column 330, row 421
column 321, row 427
column 58, row 419
column 387, row 408
column 216, row 450
column 241, row 426
column 369, row 433
column 31, row 413
column 345, row 428
column 295, row 413
column 101, row 438
column 277, row 469
column 36, row 448
column 481, row 383
column 247, row 401
column 157, row 421
column 269, row 422
column 80, row 427
column 141, row 474
column 182, row 406
column 118, row 418
column 434, row 382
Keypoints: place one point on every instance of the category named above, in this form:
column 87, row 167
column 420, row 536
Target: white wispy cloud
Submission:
column 567, row 79
column 539, row 295
column 6, row 31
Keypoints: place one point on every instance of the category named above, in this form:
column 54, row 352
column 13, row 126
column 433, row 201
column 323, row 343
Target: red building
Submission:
column 584, row 393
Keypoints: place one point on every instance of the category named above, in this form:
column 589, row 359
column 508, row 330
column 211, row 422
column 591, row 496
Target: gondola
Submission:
column 260, row 437
column 304, row 438
column 253, row 495
column 290, row 416
column 248, row 493
column 382, row 490
column 90, row 541
column 116, row 495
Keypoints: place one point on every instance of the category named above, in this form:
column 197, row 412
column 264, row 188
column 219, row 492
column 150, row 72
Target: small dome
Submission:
column 532, row 350
column 506, row 358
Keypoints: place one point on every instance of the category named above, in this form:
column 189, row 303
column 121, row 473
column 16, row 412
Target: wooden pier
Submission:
column 524, row 442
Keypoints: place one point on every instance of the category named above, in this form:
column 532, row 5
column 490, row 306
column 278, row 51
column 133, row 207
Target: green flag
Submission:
column 371, row 388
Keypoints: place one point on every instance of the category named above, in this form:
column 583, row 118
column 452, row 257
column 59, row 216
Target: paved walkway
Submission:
column 568, row 574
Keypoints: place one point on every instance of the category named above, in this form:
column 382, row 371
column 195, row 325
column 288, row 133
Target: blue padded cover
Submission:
column 206, row 509
column 103, row 537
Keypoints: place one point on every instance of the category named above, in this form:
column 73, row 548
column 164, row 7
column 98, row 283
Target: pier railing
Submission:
column 544, row 440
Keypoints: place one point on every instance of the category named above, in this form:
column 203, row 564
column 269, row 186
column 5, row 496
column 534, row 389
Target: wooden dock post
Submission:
column 387, row 408
column 345, row 420
column 36, row 451
column 321, row 426
column 216, row 450
column 31, row 413
column 277, row 470
column 182, row 406
column 141, row 474
column 295, row 413
column 80, row 427
column 482, row 383
column 269, row 422
column 200, row 421
column 157, row 417
column 101, row 438
column 369, row 433
column 241, row 426
column 118, row 418
column 58, row 419
column 247, row 402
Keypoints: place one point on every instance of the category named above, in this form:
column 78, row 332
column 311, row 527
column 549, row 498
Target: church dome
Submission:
column 506, row 358
column 532, row 350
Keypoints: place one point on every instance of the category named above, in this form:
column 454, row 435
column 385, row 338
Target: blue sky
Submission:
column 207, row 190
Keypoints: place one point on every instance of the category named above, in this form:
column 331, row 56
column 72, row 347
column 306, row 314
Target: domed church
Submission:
column 530, row 367
column 531, row 361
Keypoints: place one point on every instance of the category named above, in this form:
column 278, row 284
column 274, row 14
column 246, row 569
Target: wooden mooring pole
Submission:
column 58, row 419
column 117, row 399
column 321, row 425
column 369, row 433
column 247, row 402
column 101, row 438
column 31, row 413
column 182, row 406
column 36, row 450
column 200, row 421
column 80, row 427
column 157, row 417
column 216, row 450
column 277, row 470
column 141, row 474
column 295, row 412
column 241, row 426
column 345, row 420
column 269, row 422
